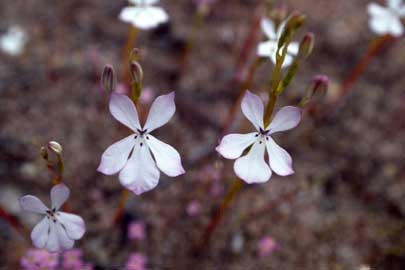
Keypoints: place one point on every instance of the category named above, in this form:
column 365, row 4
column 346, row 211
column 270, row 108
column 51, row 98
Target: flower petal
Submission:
column 252, row 168
column 140, row 173
column 144, row 17
column 143, row 2
column 375, row 9
column 39, row 234
column 167, row 158
column 59, row 195
column 116, row 156
column 268, row 28
column 52, row 245
column 267, row 49
column 64, row 241
column 33, row 204
column 161, row 111
column 253, row 109
column 123, row 109
column 74, row 225
column 233, row 145
column 293, row 48
column 279, row 159
column 286, row 118
column 394, row 4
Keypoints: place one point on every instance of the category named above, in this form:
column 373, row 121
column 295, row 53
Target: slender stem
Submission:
column 120, row 208
column 219, row 213
column 132, row 35
column 373, row 50
column 14, row 222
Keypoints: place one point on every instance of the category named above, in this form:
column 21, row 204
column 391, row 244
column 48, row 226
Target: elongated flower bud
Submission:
column 108, row 78
column 44, row 153
column 306, row 46
column 55, row 147
column 136, row 71
column 321, row 83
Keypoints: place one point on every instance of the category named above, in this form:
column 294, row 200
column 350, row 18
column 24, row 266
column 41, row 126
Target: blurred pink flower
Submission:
column 72, row 260
column 193, row 208
column 252, row 168
column 57, row 230
column 139, row 172
column 204, row 2
column 136, row 261
column 136, row 230
column 121, row 88
column 148, row 94
column 266, row 246
column 38, row 259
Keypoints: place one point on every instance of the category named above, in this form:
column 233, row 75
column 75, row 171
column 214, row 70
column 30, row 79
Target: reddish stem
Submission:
column 13, row 222
column 373, row 50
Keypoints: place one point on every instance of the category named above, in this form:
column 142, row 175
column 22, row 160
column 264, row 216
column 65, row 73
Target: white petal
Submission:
column 293, row 48
column 143, row 2
column 375, row 9
column 140, row 173
column 39, row 234
column 252, row 168
column 167, row 158
column 401, row 11
column 268, row 28
column 160, row 112
column 64, row 241
column 286, row 118
column 59, row 195
column 123, row 109
column 144, row 17
column 74, row 225
column 116, row 156
column 394, row 4
column 253, row 109
column 32, row 204
column 267, row 49
column 397, row 27
column 52, row 245
column 288, row 59
column 280, row 161
column 233, row 145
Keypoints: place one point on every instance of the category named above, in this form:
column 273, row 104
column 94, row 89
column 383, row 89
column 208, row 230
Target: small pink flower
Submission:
column 252, row 168
column 37, row 259
column 139, row 171
column 72, row 259
column 57, row 230
column 136, row 261
column 136, row 230
column 148, row 94
column 193, row 208
column 266, row 246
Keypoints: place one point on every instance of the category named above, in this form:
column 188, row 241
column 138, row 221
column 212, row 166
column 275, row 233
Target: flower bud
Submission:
column 44, row 153
column 108, row 78
column 321, row 83
column 136, row 71
column 306, row 45
column 55, row 147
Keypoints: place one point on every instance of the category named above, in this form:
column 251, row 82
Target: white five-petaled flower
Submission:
column 387, row 20
column 144, row 15
column 58, row 230
column 131, row 156
column 269, row 48
column 13, row 42
column 252, row 168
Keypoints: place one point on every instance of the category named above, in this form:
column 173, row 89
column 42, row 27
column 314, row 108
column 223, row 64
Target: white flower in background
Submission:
column 131, row 156
column 387, row 20
column 252, row 168
column 144, row 15
column 269, row 48
column 58, row 230
column 13, row 41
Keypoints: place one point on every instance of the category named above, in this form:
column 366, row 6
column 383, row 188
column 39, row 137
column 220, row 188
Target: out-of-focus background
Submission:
column 344, row 208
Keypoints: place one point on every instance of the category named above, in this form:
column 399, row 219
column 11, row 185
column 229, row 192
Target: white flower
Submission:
column 13, row 41
column 143, row 15
column 269, row 48
column 387, row 20
column 252, row 168
column 58, row 230
column 131, row 156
